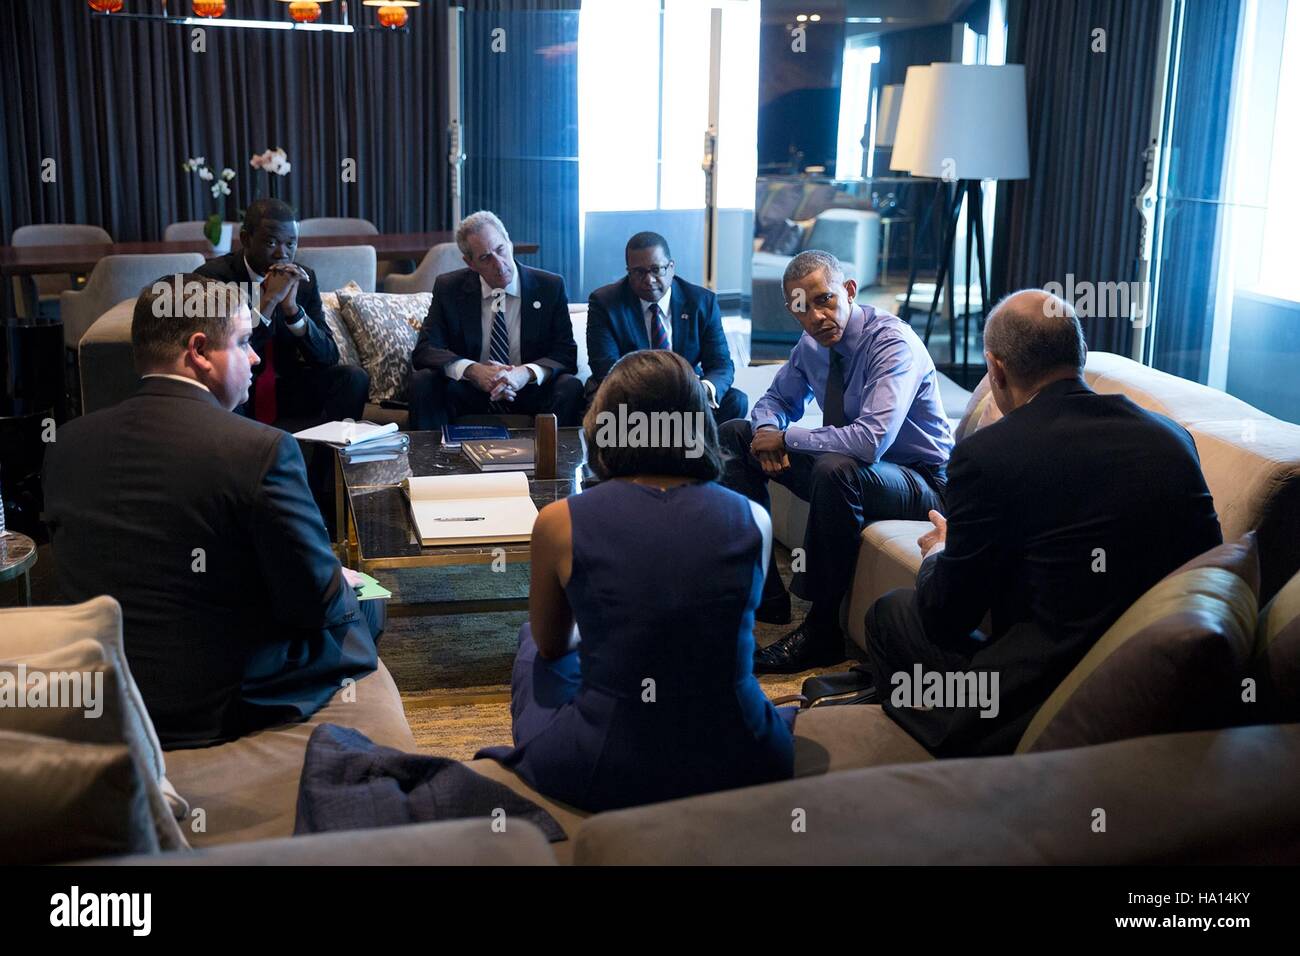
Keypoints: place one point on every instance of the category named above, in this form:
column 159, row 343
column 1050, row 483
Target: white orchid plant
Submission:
column 220, row 188
column 274, row 163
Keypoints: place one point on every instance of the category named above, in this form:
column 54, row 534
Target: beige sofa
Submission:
column 1251, row 463
column 864, row 791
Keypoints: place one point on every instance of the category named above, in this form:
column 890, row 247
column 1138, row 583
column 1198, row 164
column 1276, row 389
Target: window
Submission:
column 1225, row 287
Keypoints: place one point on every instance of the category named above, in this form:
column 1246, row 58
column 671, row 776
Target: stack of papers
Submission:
column 359, row 441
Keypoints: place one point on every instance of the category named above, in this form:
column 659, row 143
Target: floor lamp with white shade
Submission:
column 963, row 124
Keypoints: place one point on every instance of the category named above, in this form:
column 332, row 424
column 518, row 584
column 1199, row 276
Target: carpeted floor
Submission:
column 454, row 670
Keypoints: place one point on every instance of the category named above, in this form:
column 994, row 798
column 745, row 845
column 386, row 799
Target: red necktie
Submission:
column 264, row 409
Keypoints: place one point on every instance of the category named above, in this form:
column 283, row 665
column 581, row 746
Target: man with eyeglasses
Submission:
column 651, row 308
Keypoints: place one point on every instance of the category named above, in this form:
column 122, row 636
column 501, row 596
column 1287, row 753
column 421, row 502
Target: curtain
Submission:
column 1089, row 117
column 521, row 126
column 1192, row 214
column 119, row 105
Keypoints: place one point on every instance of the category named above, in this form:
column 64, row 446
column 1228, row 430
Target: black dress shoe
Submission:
column 774, row 610
column 798, row 651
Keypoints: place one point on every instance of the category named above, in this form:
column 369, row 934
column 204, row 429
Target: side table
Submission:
column 17, row 555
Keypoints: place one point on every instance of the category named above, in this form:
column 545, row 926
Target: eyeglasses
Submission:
column 657, row 271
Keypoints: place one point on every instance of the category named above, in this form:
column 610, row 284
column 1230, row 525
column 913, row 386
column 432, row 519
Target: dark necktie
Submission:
column 658, row 332
column 833, row 407
column 499, row 349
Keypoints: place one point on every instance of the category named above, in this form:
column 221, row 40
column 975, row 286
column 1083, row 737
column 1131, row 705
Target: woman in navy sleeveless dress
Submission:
column 660, row 568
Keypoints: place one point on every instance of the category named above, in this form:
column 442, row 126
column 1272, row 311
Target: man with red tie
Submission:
column 299, row 382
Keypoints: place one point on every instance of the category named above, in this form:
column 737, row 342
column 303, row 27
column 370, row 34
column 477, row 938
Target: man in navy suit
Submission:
column 652, row 309
column 498, row 338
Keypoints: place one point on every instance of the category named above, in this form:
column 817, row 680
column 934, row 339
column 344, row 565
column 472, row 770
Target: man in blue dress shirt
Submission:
column 881, row 452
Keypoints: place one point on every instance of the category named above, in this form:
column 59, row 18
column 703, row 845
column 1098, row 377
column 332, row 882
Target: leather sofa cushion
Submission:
column 1173, row 662
column 444, row 843
column 1209, row 797
column 247, row 789
column 1277, row 654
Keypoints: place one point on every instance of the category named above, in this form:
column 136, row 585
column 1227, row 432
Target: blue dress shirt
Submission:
column 891, row 395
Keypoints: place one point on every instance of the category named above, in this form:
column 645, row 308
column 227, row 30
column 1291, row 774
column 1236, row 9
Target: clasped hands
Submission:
column 768, row 449
column 280, row 287
column 502, row 382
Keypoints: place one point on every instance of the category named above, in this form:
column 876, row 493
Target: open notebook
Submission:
column 471, row 509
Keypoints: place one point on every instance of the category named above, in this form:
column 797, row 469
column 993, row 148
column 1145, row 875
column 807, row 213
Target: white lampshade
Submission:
column 969, row 123
column 911, row 111
column 891, row 100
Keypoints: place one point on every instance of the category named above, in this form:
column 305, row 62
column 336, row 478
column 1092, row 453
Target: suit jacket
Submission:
column 1060, row 516
column 200, row 523
column 453, row 329
column 616, row 326
column 315, row 349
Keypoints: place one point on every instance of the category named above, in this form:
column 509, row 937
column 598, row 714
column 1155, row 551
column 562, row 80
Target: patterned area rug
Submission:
column 454, row 669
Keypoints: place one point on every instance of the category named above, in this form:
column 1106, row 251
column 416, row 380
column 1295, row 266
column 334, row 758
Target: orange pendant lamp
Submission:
column 208, row 8
column 105, row 6
column 392, row 13
column 305, row 11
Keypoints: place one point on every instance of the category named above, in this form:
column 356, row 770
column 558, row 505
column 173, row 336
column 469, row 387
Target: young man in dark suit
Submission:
column 236, row 614
column 498, row 338
column 298, row 382
column 652, row 308
column 1059, row 517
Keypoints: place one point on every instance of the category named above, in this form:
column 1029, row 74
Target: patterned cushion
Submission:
column 333, row 309
column 1174, row 661
column 385, row 328
column 1277, row 654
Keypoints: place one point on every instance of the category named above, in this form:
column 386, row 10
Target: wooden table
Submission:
column 77, row 259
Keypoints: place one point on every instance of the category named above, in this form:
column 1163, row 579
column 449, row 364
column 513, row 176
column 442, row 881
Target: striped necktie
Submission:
column 658, row 332
column 499, row 350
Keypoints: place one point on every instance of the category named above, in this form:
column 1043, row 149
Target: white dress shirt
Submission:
column 456, row 370
column 298, row 326
column 667, row 318
column 178, row 378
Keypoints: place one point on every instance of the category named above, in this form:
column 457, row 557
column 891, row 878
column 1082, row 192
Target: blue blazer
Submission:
column 616, row 326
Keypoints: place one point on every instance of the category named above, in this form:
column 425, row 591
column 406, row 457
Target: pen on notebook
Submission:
column 479, row 518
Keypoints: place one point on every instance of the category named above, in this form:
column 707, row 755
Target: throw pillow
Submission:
column 62, row 800
column 1277, row 654
column 385, row 328
column 86, row 639
column 333, row 311
column 1173, row 662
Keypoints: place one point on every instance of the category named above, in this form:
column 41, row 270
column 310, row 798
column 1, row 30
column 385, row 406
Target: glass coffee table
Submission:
column 374, row 522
